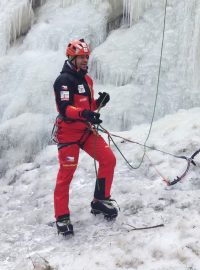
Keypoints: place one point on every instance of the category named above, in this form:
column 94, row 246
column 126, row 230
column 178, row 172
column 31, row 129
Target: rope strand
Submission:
column 157, row 88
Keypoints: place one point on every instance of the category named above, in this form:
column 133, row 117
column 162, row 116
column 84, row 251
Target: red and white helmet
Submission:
column 77, row 47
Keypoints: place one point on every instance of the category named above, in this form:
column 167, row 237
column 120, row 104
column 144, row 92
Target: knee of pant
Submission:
column 61, row 187
column 109, row 160
column 66, row 173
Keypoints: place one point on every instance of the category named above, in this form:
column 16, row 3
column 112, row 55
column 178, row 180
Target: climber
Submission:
column 75, row 129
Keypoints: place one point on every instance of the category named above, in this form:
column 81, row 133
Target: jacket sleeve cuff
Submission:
column 73, row 112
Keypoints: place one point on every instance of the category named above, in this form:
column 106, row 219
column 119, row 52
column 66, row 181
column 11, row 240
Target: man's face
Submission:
column 82, row 61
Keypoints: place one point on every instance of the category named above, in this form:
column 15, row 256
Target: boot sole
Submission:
column 65, row 234
column 106, row 216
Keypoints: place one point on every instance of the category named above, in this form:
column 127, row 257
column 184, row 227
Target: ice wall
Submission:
column 118, row 59
column 52, row 32
column 16, row 17
column 187, row 40
column 129, row 59
column 115, row 6
column 28, row 70
column 196, row 49
column 124, row 46
column 136, row 51
column 15, row 20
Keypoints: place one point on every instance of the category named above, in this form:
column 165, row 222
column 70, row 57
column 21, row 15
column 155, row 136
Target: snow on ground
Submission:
column 26, row 207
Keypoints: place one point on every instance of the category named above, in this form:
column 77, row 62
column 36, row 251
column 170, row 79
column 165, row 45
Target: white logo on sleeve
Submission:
column 64, row 87
column 64, row 95
column 81, row 88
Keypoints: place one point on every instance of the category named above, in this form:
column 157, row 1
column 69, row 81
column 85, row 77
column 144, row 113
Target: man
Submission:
column 74, row 130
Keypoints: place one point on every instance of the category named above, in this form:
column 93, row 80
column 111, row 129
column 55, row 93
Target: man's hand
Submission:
column 92, row 117
column 103, row 99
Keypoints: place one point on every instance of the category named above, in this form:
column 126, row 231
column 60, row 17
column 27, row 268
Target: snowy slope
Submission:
column 27, row 207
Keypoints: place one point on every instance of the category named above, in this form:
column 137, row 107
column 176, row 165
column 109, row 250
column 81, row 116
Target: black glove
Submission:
column 103, row 99
column 91, row 117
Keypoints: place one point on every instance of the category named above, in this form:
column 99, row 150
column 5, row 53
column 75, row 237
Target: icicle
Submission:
column 134, row 9
column 103, row 73
column 15, row 21
column 37, row 3
column 65, row 3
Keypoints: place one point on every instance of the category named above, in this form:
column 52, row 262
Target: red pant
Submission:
column 96, row 147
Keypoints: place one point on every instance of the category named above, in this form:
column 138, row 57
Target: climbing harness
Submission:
column 86, row 133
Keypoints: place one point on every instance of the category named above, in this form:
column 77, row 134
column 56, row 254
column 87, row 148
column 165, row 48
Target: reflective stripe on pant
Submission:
column 96, row 147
